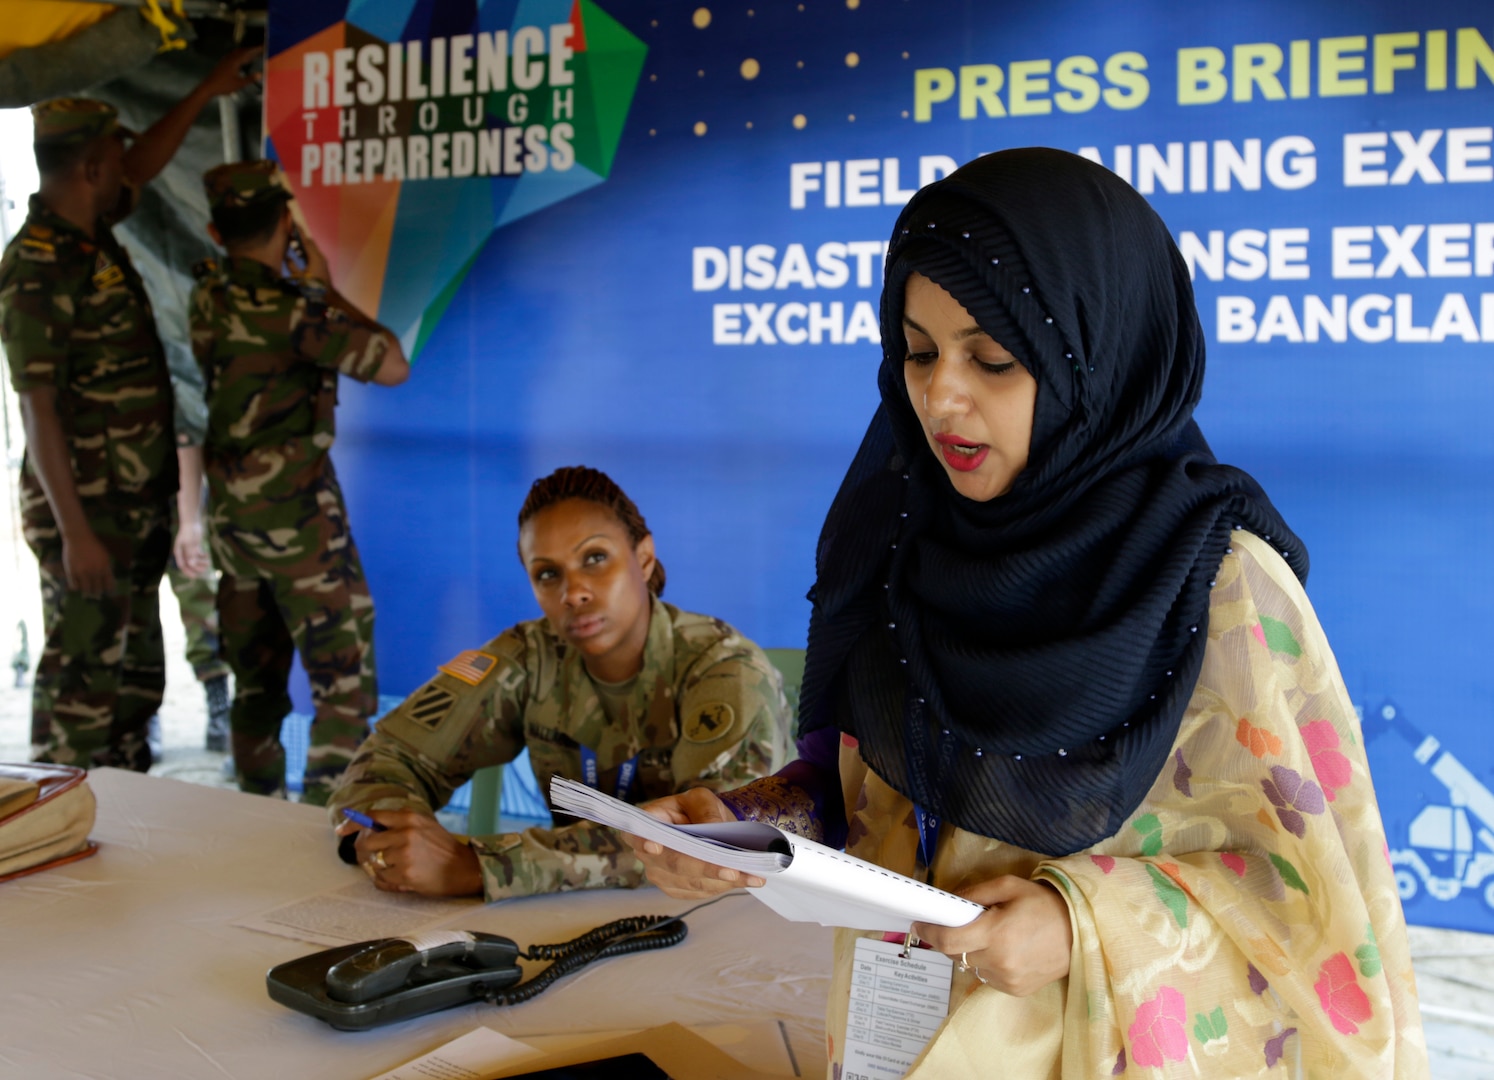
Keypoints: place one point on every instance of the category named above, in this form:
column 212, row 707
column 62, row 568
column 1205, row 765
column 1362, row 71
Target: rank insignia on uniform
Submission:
column 108, row 277
column 39, row 245
column 429, row 706
column 472, row 667
column 710, row 722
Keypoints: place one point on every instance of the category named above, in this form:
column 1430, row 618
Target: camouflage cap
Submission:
column 243, row 183
column 74, row 121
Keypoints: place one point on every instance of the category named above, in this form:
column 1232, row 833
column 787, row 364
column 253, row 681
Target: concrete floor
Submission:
column 1455, row 970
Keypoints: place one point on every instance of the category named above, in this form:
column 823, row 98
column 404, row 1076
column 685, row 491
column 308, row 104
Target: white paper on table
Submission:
column 355, row 912
column 805, row 881
column 470, row 1057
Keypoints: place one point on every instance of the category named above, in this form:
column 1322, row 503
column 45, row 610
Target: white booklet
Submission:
column 806, row 881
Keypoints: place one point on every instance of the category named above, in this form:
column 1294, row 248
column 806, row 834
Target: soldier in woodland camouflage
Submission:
column 271, row 348
column 100, row 465
column 657, row 700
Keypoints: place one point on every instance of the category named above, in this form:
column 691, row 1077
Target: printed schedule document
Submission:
column 896, row 1006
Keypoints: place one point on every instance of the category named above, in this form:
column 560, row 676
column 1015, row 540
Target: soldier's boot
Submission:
column 216, row 690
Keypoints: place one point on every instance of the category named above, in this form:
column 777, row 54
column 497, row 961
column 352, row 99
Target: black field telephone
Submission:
column 361, row 986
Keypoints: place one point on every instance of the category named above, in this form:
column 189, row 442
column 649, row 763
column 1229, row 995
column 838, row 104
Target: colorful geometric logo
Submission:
column 411, row 130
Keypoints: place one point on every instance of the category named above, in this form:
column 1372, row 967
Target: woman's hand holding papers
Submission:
column 679, row 875
column 1021, row 944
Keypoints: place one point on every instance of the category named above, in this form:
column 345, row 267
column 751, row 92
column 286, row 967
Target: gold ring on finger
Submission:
column 378, row 861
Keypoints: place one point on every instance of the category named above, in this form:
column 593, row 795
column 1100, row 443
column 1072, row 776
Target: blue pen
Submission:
column 364, row 820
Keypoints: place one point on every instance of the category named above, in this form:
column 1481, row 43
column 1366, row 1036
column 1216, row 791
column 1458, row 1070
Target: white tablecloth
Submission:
column 127, row 965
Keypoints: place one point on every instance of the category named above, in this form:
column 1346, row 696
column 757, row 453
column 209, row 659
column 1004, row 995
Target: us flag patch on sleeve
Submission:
column 472, row 667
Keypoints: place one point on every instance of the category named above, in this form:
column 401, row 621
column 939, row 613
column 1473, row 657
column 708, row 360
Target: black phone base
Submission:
column 302, row 985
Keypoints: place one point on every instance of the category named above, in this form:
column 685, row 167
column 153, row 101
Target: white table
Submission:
column 127, row 965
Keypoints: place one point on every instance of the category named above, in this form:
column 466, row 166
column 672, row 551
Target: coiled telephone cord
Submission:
column 637, row 933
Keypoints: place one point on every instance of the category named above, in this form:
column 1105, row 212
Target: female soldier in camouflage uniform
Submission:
column 613, row 687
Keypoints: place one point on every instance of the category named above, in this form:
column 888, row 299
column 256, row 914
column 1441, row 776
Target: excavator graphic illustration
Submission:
column 1451, row 846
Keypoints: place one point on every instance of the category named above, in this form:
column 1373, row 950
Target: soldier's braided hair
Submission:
column 593, row 485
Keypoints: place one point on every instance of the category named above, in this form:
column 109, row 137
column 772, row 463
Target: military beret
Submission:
column 243, row 183
column 75, row 121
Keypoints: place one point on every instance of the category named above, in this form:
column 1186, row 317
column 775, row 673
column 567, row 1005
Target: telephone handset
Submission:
column 382, row 967
column 356, row 987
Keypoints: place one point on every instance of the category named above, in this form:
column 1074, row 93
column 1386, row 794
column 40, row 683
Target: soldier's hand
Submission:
column 415, row 854
column 679, row 875
column 86, row 563
column 316, row 262
column 229, row 74
column 191, row 558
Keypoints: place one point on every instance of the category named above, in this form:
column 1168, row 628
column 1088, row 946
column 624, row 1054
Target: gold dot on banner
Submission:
column 701, row 18
column 905, row 56
column 700, row 127
column 853, row 4
column 800, row 63
column 701, row 73
column 653, row 22
column 852, row 59
column 799, row 121
column 749, row 125
column 852, row 118
column 905, row 114
column 653, row 131
column 751, row 68
column 653, row 78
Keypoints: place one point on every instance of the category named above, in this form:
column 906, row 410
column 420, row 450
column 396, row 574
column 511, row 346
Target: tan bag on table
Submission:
column 46, row 812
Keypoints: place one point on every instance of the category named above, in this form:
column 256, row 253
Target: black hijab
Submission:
column 1019, row 667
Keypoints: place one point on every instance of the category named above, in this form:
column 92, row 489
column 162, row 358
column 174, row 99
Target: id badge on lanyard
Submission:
column 591, row 774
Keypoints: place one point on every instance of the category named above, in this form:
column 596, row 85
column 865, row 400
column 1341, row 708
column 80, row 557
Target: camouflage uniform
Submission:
column 271, row 349
column 706, row 710
column 74, row 316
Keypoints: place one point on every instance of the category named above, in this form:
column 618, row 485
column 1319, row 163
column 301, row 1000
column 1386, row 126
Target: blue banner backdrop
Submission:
column 693, row 310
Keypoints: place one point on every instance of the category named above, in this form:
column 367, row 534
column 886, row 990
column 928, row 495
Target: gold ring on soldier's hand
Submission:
column 378, row 861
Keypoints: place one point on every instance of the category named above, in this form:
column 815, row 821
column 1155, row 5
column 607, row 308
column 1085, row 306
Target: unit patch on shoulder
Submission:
column 709, row 722
column 429, row 706
column 472, row 667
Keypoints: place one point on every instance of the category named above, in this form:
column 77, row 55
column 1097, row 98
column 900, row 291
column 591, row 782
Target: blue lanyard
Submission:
column 591, row 776
column 928, row 835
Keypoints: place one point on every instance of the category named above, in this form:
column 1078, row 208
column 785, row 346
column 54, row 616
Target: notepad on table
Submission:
column 806, row 881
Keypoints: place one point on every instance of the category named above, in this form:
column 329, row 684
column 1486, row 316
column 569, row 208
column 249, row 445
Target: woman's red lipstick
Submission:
column 962, row 454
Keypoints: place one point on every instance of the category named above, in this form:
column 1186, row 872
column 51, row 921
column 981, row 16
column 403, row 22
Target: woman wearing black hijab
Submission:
column 1074, row 674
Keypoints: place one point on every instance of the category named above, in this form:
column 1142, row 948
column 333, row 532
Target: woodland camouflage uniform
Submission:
column 74, row 316
column 271, row 349
column 706, row 710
